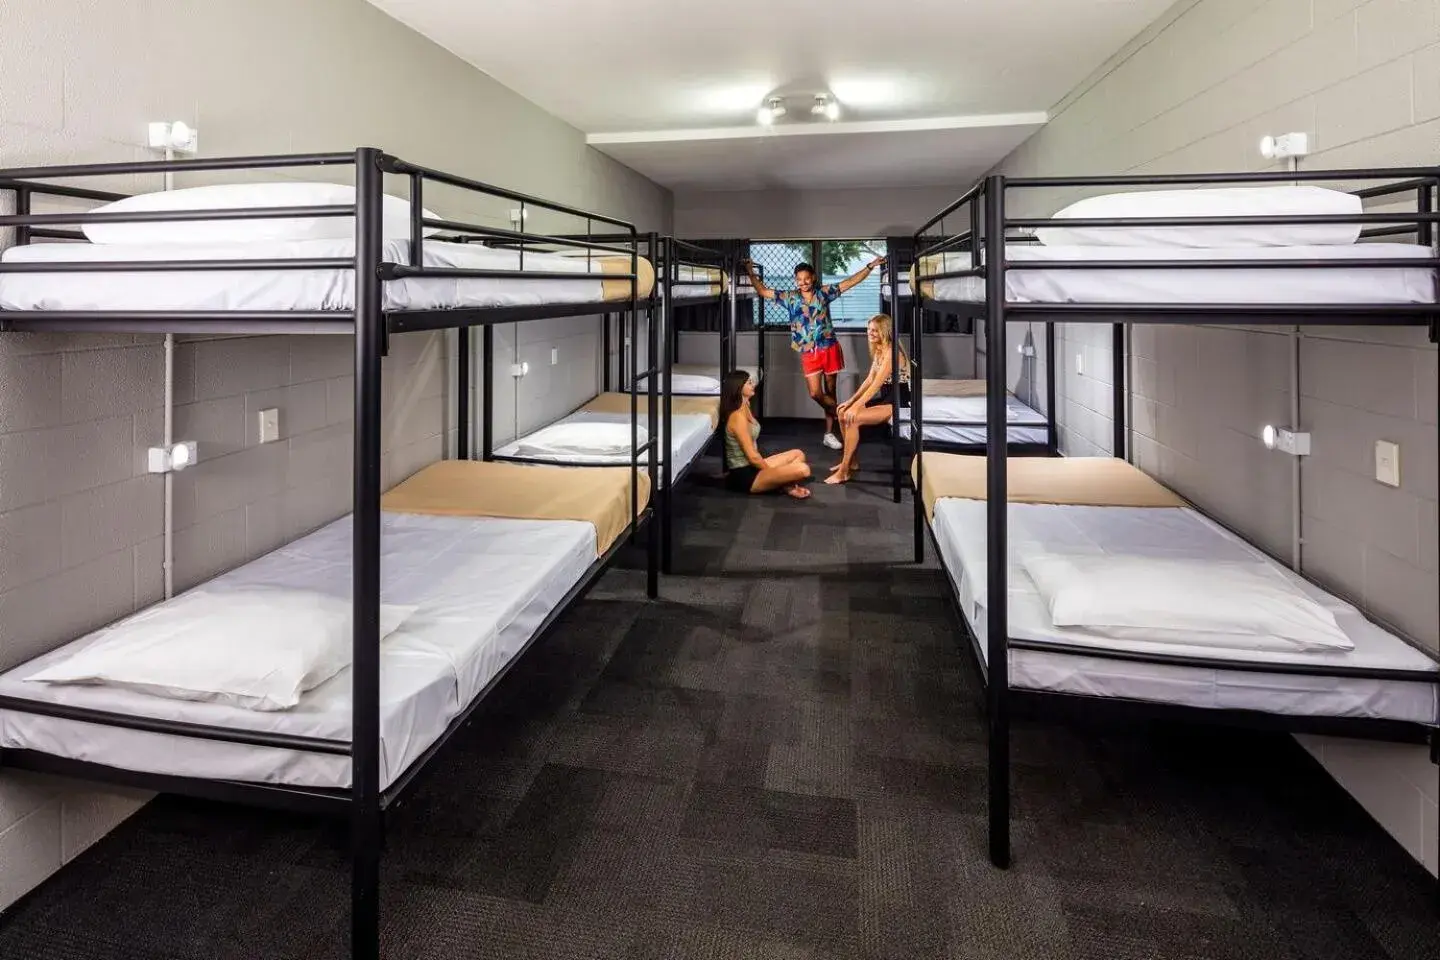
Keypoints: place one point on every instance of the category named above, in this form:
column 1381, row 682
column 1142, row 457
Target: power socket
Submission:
column 267, row 425
column 1080, row 364
column 1387, row 463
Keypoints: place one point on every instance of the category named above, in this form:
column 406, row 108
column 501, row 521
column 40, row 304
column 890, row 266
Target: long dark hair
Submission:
column 732, row 393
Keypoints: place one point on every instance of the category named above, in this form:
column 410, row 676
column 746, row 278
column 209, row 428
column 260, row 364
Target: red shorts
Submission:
column 829, row 360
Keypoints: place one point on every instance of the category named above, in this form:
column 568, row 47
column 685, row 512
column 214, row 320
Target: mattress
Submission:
column 599, row 496
column 713, row 372
column 960, row 525
column 961, row 420
column 691, row 433
column 619, row 403
column 483, row 587
column 320, row 289
column 1268, row 285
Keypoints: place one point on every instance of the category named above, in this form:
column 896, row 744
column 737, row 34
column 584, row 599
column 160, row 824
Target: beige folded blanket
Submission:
column 620, row 403
column 599, row 496
column 954, row 388
column 1072, row 481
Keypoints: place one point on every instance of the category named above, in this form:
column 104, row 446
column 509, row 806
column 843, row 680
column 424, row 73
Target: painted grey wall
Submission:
column 80, row 520
column 1196, row 92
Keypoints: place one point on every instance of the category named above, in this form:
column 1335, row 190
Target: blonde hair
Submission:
column 886, row 327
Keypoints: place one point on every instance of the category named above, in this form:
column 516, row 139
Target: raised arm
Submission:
column 739, row 425
column 761, row 290
column 859, row 276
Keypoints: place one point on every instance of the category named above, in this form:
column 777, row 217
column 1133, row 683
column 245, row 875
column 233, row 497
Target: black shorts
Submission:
column 886, row 396
column 741, row 479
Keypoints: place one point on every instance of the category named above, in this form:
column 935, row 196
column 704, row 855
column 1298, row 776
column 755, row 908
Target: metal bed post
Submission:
column 895, row 385
column 22, row 209
column 462, row 390
column 757, row 317
column 997, row 619
column 917, row 401
column 1118, row 389
column 1052, row 415
column 667, row 466
column 606, row 347
column 366, row 824
column 653, row 348
column 487, row 392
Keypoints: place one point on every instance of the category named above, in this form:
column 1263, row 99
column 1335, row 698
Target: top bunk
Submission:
column 298, row 256
column 1254, row 248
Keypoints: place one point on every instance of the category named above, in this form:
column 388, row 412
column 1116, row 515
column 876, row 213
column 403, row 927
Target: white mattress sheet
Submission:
column 1269, row 285
column 483, row 587
column 322, row 289
column 713, row 372
column 961, row 420
column 692, row 433
column 961, row 434
column 1174, row 532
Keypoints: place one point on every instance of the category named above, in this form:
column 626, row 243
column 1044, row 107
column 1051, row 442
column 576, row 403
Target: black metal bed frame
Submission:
column 913, row 323
column 371, row 325
column 987, row 230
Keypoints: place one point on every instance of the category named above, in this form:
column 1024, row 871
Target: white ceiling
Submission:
column 679, row 70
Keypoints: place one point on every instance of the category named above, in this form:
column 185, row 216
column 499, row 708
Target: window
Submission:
column 836, row 260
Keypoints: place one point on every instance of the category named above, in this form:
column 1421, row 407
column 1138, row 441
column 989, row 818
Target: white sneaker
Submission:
column 833, row 442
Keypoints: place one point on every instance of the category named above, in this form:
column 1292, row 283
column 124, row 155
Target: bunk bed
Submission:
column 480, row 559
column 1086, row 588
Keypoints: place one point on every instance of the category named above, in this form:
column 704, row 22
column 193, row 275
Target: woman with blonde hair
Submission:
column 876, row 399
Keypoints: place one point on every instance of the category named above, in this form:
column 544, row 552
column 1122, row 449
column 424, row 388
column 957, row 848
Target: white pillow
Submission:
column 256, row 647
column 583, row 439
column 693, row 383
column 233, row 196
column 1218, row 202
column 1242, row 604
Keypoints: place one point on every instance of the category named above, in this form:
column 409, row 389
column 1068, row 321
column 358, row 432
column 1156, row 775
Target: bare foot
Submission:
column 839, row 476
column 798, row 492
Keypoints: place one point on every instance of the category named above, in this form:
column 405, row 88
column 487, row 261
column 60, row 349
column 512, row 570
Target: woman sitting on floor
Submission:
column 746, row 470
column 874, row 402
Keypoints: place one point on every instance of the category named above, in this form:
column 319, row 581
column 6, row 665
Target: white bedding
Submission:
column 692, row 433
column 263, row 290
column 713, row 373
column 961, row 421
column 1173, row 532
column 482, row 585
column 1268, row 285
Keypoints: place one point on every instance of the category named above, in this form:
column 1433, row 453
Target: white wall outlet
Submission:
column 1080, row 364
column 554, row 356
column 268, row 425
column 1027, row 350
column 518, row 217
column 518, row 370
column 1387, row 463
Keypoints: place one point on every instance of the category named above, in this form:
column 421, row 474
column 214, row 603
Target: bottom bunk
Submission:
column 476, row 560
column 954, row 415
column 598, row 434
column 1120, row 590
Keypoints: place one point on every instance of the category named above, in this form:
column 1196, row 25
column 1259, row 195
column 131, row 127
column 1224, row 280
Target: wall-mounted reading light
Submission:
column 1286, row 441
column 825, row 106
column 174, row 136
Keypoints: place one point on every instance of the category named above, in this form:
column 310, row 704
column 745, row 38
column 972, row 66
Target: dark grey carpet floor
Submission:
column 782, row 758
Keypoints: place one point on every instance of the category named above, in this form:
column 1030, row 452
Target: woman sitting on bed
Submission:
column 746, row 469
column 874, row 401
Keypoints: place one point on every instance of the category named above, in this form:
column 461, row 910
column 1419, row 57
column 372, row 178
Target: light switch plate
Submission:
column 554, row 356
column 268, row 425
column 1080, row 364
column 1387, row 463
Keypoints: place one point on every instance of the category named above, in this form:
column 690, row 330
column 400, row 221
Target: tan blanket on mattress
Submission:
column 954, row 388
column 1073, row 481
column 620, row 403
column 469, row 488
column 620, row 289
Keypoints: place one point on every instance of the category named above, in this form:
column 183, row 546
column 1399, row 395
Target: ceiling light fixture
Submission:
column 825, row 106
column 773, row 110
